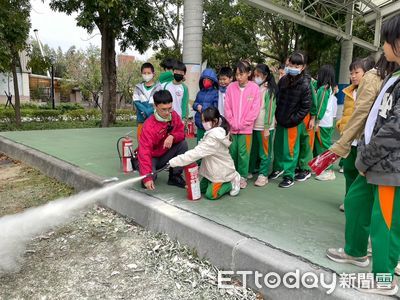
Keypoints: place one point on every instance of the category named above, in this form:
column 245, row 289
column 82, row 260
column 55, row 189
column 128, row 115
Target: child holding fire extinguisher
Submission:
column 217, row 166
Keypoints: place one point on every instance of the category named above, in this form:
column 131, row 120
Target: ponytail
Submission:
column 224, row 124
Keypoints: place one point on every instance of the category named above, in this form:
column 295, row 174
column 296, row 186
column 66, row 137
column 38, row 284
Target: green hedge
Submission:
column 53, row 115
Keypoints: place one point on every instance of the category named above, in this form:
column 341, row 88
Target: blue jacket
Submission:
column 206, row 98
column 144, row 103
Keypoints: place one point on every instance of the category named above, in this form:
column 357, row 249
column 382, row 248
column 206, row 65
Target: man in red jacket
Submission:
column 162, row 138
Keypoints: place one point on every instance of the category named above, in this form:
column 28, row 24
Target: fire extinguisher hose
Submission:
column 118, row 150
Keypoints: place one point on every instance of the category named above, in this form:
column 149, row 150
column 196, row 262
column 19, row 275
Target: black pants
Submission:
column 176, row 149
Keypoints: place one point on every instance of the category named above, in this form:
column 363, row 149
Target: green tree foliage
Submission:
column 131, row 22
column 14, row 32
column 171, row 15
column 83, row 71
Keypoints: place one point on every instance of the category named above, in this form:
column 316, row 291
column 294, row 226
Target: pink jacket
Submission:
column 242, row 107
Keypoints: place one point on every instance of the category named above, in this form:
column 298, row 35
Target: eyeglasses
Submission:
column 166, row 110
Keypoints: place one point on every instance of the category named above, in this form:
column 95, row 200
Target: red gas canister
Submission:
column 192, row 181
column 190, row 129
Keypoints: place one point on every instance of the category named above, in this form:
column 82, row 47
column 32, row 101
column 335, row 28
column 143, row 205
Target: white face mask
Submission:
column 207, row 125
column 147, row 77
column 258, row 80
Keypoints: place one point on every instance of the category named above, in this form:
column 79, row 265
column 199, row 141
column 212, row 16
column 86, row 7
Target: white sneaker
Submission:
column 261, row 180
column 338, row 255
column 341, row 170
column 341, row 207
column 326, row 175
column 397, row 269
column 235, row 185
column 249, row 176
column 243, row 183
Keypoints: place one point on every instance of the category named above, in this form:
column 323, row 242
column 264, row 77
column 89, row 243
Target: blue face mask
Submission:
column 286, row 70
column 294, row 71
column 222, row 89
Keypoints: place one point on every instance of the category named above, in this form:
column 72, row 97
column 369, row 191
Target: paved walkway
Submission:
column 302, row 221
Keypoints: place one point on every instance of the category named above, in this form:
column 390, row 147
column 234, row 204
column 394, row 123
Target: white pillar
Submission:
column 346, row 57
column 192, row 43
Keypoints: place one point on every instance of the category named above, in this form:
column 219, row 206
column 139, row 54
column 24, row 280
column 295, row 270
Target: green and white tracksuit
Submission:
column 261, row 150
column 180, row 96
column 378, row 158
column 324, row 119
column 307, row 136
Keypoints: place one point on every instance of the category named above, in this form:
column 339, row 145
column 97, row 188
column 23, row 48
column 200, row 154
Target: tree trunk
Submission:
column 16, row 90
column 109, row 76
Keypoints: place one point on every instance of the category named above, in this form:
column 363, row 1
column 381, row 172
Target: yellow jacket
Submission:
column 367, row 92
column 348, row 107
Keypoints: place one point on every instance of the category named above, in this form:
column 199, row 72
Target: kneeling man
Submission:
column 162, row 138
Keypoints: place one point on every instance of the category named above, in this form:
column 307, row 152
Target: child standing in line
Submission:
column 325, row 115
column 179, row 90
column 379, row 161
column 217, row 167
column 242, row 106
column 168, row 66
column 143, row 96
column 206, row 97
column 357, row 70
column 264, row 125
column 225, row 77
column 293, row 104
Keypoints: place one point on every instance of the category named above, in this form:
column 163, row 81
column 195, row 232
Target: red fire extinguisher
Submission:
column 127, row 154
column 192, row 181
column 190, row 128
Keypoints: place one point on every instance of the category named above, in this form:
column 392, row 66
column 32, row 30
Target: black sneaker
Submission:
column 286, row 182
column 177, row 180
column 302, row 175
column 275, row 174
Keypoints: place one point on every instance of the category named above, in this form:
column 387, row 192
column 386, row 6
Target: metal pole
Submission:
column 40, row 47
column 52, row 87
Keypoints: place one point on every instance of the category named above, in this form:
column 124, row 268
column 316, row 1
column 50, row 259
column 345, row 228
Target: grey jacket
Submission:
column 380, row 159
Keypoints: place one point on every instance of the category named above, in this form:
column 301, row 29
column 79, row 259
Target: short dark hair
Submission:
column 147, row 65
column 225, row 71
column 326, row 76
column 281, row 67
column 391, row 33
column 298, row 58
column 162, row 97
column 365, row 64
column 168, row 63
column 180, row 66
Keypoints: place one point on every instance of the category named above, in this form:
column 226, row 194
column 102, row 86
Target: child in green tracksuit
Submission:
column 324, row 118
column 179, row 91
column 307, row 138
column 292, row 106
column 242, row 106
column 263, row 132
column 168, row 66
column 378, row 163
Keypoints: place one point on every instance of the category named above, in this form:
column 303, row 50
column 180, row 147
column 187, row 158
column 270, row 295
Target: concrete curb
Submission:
column 224, row 247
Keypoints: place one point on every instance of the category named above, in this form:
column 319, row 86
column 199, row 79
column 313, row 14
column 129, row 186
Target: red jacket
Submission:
column 151, row 142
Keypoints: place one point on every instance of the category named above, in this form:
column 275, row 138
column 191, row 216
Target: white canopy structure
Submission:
column 331, row 17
